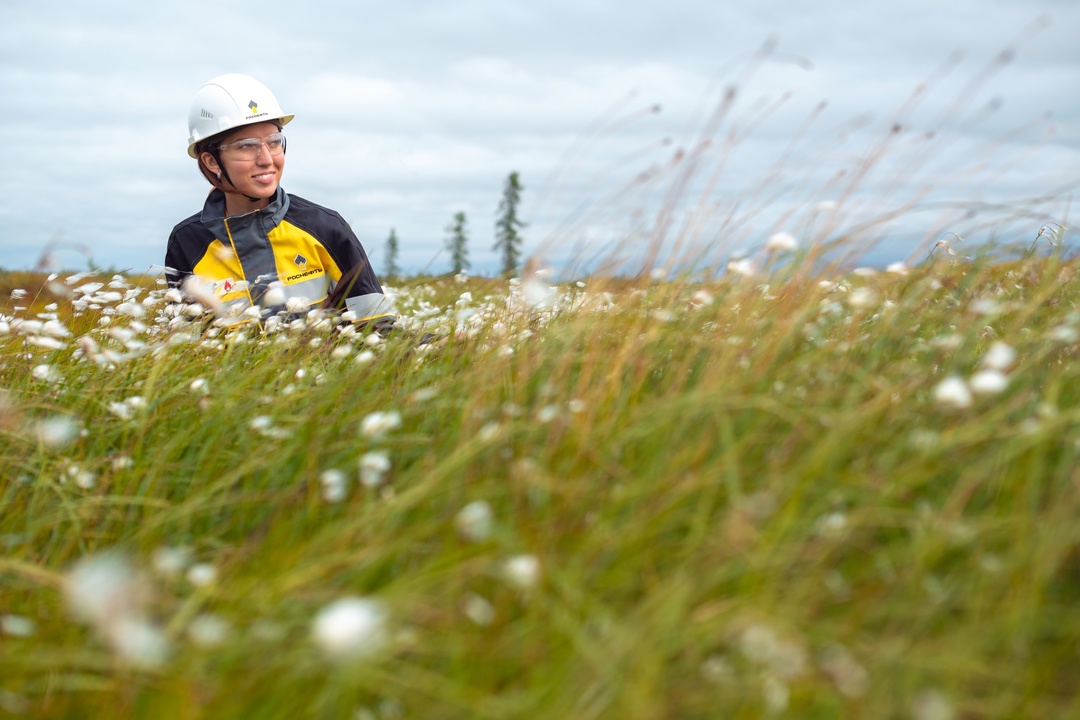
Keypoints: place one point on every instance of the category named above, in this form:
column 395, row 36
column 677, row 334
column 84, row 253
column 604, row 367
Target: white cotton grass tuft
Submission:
column 850, row 677
column 932, row 705
column 953, row 392
column 209, row 631
column 546, row 414
column 988, row 382
column 17, row 626
column 274, row 295
column 377, row 424
column 102, row 586
column 374, row 466
column 297, row 304
column 784, row 657
column 478, row 609
column 55, row 329
column 701, row 298
column 46, row 343
column 264, row 425
column 1000, row 356
column 82, row 477
column 57, row 432
column 204, row 296
column 489, row 431
column 131, row 309
column 782, row 242
column 985, row 306
column 45, row 373
column 538, row 293
column 744, row 267
column 475, row 521
column 351, row 628
column 107, row 593
column 121, row 462
column 862, row 298
column 171, row 561
column 202, row 574
column 335, row 485
column 522, row 571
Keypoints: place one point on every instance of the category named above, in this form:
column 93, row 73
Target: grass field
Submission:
column 834, row 495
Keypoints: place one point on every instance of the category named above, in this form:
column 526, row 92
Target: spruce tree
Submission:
column 392, row 268
column 456, row 241
column 507, row 239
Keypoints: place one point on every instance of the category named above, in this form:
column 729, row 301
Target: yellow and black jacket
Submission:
column 307, row 251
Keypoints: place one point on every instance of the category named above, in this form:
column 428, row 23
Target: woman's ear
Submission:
column 210, row 163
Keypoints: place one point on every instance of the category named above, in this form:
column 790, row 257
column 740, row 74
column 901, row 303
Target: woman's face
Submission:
column 255, row 176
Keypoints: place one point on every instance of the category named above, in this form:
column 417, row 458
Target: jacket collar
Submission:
column 213, row 212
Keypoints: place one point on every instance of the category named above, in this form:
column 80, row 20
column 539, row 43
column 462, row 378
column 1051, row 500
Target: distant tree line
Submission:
column 508, row 239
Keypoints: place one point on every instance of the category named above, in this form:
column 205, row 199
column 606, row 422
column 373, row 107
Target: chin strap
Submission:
column 224, row 173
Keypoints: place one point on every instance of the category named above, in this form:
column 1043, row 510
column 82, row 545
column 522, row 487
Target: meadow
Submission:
column 830, row 494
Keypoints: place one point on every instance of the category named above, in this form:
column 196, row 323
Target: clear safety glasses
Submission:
column 250, row 148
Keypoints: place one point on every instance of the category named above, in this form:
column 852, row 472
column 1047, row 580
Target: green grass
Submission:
column 750, row 505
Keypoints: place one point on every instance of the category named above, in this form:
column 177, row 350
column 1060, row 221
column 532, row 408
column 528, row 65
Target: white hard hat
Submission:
column 230, row 101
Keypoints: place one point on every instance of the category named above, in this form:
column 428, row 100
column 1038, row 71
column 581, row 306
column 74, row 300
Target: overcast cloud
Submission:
column 409, row 112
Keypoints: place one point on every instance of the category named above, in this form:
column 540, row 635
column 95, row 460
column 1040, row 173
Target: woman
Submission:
column 254, row 244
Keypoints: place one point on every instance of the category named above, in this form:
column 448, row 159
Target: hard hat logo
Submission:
column 253, row 106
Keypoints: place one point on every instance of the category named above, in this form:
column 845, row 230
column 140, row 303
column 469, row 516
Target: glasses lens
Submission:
column 249, row 148
column 275, row 143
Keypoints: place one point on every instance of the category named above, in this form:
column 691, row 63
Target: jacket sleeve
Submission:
column 358, row 288
column 177, row 267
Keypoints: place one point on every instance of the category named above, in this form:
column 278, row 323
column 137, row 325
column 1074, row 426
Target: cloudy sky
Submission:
column 695, row 128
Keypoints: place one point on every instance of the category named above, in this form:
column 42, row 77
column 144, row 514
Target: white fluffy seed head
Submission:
column 1000, row 356
column 275, row 295
column 522, row 571
column 988, row 382
column 56, row 432
column 350, row 628
column 209, row 631
column 170, row 561
column 953, row 392
column 101, row 588
column 202, row 574
column 474, row 522
column 782, row 242
column 744, row 267
column 478, row 609
column 862, row 298
column 335, row 485
column 373, row 468
column 17, row 626
column 297, row 304
column 375, row 425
